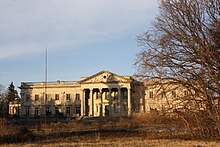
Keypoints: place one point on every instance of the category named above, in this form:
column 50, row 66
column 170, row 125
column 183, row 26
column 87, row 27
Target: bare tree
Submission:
column 184, row 46
column 2, row 98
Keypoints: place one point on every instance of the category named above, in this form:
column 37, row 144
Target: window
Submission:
column 36, row 98
column 46, row 97
column 36, row 111
column 56, row 96
column 77, row 96
column 68, row 110
column 27, row 112
column 174, row 94
column 151, row 94
column 67, row 97
column 57, row 110
column 77, row 110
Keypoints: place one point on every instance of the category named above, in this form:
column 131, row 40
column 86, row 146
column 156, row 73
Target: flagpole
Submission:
column 45, row 84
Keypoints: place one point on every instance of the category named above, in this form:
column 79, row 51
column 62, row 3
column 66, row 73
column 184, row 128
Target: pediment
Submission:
column 106, row 77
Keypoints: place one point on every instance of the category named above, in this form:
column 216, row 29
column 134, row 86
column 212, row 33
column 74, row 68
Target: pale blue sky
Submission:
column 83, row 37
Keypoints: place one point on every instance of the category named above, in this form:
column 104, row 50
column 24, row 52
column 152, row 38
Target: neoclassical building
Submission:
column 102, row 94
column 105, row 94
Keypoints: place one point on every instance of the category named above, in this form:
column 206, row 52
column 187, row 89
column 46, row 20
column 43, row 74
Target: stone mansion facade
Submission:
column 102, row 94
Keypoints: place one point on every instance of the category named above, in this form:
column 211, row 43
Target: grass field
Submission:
column 123, row 142
column 115, row 132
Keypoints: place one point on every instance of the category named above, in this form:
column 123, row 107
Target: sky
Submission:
column 82, row 37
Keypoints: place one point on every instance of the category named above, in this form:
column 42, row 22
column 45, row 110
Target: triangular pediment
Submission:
column 105, row 77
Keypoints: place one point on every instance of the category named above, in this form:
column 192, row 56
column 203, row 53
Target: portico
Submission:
column 106, row 101
column 106, row 94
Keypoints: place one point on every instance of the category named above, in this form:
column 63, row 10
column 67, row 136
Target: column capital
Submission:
column 129, row 87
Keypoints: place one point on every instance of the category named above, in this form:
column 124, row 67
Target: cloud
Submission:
column 28, row 25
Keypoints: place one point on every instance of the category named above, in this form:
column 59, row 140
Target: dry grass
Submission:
column 134, row 142
column 7, row 127
column 143, row 130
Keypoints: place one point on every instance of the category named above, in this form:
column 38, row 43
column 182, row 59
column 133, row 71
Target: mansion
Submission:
column 102, row 94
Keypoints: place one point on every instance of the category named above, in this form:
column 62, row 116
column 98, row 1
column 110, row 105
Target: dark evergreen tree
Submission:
column 11, row 95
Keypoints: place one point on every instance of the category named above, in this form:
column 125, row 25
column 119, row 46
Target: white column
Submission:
column 110, row 101
column 100, row 90
column 94, row 104
column 91, row 108
column 82, row 102
column 129, row 101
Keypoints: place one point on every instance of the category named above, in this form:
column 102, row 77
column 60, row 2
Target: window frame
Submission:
column 68, row 97
column 68, row 110
column 36, row 97
column 57, row 97
column 36, row 111
column 77, row 96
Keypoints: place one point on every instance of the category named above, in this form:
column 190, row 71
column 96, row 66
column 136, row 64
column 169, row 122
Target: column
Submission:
column 91, row 108
column 101, row 105
column 94, row 103
column 129, row 101
column 82, row 102
column 110, row 101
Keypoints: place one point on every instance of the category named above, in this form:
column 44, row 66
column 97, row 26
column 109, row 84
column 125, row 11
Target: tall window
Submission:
column 36, row 111
column 78, row 110
column 151, row 94
column 46, row 97
column 67, row 97
column 56, row 96
column 77, row 96
column 36, row 98
column 27, row 112
column 68, row 110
